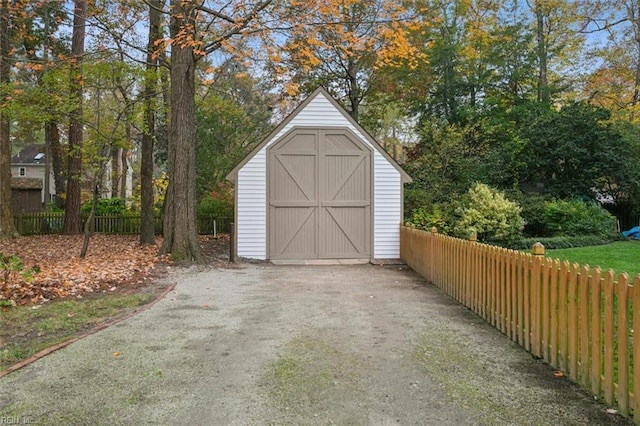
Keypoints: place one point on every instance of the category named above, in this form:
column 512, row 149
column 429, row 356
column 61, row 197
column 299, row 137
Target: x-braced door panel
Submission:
column 319, row 196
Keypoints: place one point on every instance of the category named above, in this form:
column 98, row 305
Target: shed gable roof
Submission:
column 22, row 183
column 232, row 176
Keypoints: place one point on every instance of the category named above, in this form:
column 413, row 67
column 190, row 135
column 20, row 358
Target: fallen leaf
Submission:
column 558, row 374
column 117, row 354
column 612, row 411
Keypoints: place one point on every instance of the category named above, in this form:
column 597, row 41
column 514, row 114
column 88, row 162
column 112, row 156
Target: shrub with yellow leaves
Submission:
column 489, row 214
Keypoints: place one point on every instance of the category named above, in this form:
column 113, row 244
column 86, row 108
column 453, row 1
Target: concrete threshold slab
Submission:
column 320, row 262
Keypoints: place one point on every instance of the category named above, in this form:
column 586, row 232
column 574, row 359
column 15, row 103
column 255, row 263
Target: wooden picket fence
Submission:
column 577, row 319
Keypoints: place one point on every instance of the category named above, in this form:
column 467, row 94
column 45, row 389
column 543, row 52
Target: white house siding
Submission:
column 251, row 213
column 387, row 209
column 252, row 199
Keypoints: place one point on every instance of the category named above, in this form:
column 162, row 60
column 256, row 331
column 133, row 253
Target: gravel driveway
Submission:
column 297, row 345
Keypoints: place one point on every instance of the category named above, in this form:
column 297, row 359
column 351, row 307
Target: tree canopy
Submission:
column 542, row 94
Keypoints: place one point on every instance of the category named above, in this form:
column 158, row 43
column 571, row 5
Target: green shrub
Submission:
column 107, row 207
column 415, row 198
column 533, row 207
column 54, row 208
column 577, row 217
column 551, row 243
column 426, row 218
column 489, row 214
column 218, row 202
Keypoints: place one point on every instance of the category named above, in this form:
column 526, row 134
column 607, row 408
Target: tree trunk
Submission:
column 115, row 171
column 124, row 164
column 147, row 223
column 636, row 32
column 7, row 227
column 52, row 137
column 543, row 85
column 72, row 219
column 354, row 90
column 89, row 224
column 636, row 89
column 180, row 232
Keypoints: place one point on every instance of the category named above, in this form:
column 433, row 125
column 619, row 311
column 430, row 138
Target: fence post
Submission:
column 538, row 251
column 432, row 256
column 232, row 243
column 472, row 273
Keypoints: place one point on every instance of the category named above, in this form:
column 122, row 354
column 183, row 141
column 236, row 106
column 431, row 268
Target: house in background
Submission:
column 29, row 164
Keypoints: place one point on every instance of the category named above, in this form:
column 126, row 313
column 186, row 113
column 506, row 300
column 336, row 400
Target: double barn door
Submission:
column 319, row 196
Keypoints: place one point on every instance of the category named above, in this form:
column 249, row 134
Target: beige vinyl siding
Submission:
column 251, row 187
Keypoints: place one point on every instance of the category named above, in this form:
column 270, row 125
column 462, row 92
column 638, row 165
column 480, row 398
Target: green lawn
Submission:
column 621, row 256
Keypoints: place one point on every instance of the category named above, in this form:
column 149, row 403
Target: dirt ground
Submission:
column 264, row 344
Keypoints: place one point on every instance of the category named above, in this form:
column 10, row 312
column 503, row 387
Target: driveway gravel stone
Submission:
column 271, row 344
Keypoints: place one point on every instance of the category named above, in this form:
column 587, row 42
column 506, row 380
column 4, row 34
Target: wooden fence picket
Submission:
column 554, row 321
column 563, row 315
column 608, row 332
column 635, row 297
column 622, row 396
column 546, row 268
column 596, row 330
column 584, row 324
column 572, row 300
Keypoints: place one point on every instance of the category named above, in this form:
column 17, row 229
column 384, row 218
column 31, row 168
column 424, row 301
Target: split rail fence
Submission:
column 577, row 319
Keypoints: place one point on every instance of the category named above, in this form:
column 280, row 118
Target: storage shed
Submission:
column 26, row 195
column 318, row 187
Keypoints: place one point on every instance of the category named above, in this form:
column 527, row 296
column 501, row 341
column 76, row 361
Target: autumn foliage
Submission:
column 340, row 44
column 114, row 261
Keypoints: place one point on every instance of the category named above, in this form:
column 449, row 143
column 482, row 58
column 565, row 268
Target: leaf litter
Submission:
column 112, row 261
